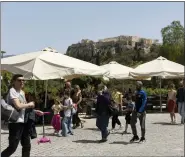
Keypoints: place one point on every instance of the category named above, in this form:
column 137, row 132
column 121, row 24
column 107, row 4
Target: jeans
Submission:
column 142, row 123
column 18, row 132
column 115, row 121
column 102, row 122
column 66, row 126
column 181, row 110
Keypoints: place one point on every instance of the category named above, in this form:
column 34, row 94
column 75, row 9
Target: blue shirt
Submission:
column 141, row 101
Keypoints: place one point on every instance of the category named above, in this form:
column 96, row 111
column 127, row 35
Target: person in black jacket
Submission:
column 103, row 113
column 180, row 101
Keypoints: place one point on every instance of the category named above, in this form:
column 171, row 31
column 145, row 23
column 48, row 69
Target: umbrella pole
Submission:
column 46, row 93
column 160, row 97
column 35, row 87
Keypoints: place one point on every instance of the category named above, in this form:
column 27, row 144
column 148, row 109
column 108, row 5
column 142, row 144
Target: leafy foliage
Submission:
column 156, row 91
column 173, row 42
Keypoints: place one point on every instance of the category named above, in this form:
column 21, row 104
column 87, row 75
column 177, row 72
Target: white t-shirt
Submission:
column 68, row 102
column 13, row 94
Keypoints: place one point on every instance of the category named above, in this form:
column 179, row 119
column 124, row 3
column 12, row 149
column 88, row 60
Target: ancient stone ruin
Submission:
column 88, row 50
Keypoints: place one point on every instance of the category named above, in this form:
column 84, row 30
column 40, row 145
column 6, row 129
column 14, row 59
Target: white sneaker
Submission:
column 112, row 131
column 120, row 127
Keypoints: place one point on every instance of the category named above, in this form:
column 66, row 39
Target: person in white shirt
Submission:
column 67, row 120
column 19, row 131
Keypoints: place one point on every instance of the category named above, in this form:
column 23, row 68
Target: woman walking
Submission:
column 117, row 98
column 77, row 98
column 171, row 103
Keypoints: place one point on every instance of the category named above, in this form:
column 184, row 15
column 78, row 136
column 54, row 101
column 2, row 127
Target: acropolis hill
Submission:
column 88, row 49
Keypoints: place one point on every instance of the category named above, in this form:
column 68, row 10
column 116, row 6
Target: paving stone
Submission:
column 163, row 139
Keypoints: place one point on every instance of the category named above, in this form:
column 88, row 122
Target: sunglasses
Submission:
column 20, row 80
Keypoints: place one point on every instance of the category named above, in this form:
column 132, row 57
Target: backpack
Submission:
column 8, row 113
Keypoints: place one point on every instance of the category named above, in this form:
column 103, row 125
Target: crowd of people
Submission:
column 65, row 109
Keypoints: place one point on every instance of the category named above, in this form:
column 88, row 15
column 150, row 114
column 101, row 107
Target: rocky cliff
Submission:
column 123, row 49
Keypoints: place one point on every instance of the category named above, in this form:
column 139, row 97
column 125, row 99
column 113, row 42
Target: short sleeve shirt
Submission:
column 68, row 102
column 13, row 94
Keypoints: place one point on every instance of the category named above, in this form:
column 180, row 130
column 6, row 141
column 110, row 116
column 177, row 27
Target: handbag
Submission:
column 8, row 113
column 113, row 108
column 74, row 109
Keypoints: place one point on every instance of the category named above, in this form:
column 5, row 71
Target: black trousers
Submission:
column 76, row 119
column 115, row 121
column 18, row 132
column 142, row 123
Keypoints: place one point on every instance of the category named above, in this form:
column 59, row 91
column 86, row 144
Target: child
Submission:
column 56, row 121
column 67, row 120
column 128, row 110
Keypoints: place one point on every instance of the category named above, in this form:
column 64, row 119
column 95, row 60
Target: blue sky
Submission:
column 32, row 26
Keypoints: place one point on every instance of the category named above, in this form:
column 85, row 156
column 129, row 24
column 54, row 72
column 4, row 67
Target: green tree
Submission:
column 173, row 42
column 173, row 34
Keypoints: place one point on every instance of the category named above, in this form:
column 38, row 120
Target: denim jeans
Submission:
column 181, row 110
column 66, row 126
column 102, row 124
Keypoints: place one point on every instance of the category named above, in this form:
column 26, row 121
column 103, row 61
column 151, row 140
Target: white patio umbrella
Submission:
column 116, row 71
column 47, row 64
column 160, row 67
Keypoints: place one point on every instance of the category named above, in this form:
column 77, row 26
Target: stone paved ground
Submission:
column 163, row 139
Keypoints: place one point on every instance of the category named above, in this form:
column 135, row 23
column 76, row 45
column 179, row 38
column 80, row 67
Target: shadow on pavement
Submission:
column 48, row 134
column 86, row 141
column 128, row 133
column 121, row 142
column 94, row 129
column 121, row 133
column 116, row 133
column 165, row 123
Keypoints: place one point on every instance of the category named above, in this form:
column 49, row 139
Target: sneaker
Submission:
column 134, row 139
column 120, row 127
column 142, row 140
column 60, row 135
column 103, row 140
column 70, row 133
column 112, row 130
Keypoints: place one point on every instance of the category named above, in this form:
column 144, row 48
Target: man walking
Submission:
column 19, row 131
column 180, row 100
column 103, row 114
column 139, row 112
